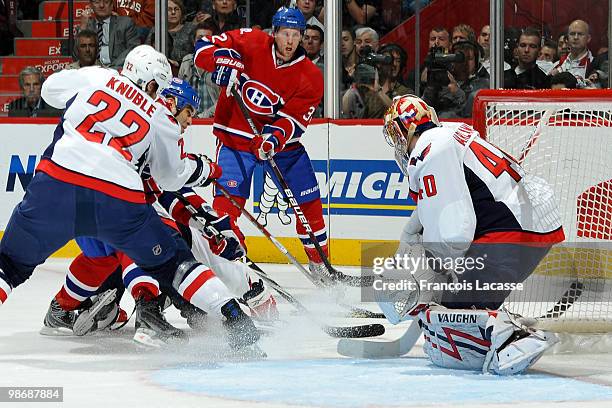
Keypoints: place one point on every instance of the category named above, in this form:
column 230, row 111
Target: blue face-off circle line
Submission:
column 345, row 383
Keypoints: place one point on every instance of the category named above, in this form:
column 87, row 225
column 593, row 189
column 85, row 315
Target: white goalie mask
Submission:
column 407, row 115
column 144, row 64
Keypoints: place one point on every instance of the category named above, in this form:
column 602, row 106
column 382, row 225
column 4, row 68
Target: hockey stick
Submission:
column 367, row 330
column 536, row 134
column 267, row 234
column 381, row 349
column 336, row 275
column 569, row 297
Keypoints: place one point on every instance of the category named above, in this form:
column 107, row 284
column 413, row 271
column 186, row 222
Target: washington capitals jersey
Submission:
column 109, row 129
column 281, row 97
column 468, row 190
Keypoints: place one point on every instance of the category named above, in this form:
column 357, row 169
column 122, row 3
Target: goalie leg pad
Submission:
column 488, row 341
column 455, row 339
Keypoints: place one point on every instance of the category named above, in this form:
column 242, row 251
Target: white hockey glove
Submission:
column 206, row 171
column 222, row 239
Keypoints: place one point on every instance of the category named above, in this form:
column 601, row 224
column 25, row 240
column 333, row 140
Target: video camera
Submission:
column 438, row 65
column 368, row 56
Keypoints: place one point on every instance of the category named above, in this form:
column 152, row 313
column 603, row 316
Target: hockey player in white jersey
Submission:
column 88, row 184
column 481, row 225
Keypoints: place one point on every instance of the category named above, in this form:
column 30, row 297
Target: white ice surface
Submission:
column 303, row 368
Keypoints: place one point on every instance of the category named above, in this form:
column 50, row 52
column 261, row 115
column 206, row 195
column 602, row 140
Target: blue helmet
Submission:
column 184, row 94
column 288, row 17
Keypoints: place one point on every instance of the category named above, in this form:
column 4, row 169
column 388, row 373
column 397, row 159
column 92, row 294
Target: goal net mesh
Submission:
column 568, row 142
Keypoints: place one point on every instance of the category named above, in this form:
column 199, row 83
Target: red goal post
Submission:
column 564, row 137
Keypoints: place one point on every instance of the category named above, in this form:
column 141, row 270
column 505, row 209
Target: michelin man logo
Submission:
column 268, row 198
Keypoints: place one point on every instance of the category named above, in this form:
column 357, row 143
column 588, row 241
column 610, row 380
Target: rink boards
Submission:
column 364, row 195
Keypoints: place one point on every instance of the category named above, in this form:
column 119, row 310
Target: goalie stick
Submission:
column 357, row 281
column 366, row 330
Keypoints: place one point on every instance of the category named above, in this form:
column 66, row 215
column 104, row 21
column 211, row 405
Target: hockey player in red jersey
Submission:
column 482, row 224
column 281, row 88
column 88, row 184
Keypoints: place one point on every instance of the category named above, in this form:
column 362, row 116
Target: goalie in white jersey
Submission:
column 88, row 185
column 481, row 225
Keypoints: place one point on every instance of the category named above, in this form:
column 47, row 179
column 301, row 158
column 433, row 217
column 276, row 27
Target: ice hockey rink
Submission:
column 302, row 368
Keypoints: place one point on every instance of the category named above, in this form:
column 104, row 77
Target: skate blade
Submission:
column 56, row 331
column 247, row 353
column 149, row 339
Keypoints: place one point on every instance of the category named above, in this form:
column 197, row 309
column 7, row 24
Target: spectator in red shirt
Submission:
column 142, row 13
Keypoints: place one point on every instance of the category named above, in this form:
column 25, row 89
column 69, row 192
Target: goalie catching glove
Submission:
column 228, row 68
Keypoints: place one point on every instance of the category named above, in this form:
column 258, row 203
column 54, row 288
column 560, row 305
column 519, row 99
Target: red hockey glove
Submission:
column 266, row 146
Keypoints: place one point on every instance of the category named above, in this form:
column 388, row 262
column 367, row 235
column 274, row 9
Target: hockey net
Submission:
column 564, row 137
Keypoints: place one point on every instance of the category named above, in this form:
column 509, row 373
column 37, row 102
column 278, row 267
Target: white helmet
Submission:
column 144, row 64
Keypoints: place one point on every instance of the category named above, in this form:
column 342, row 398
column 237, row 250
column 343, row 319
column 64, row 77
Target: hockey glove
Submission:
column 228, row 68
column 151, row 190
column 222, row 239
column 266, row 146
column 205, row 173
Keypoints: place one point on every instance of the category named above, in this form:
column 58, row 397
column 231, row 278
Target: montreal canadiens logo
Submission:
column 260, row 99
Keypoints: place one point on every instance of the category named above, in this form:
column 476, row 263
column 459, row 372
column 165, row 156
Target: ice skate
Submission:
column 58, row 322
column 320, row 274
column 318, row 271
column 196, row 318
column 99, row 313
column 241, row 332
column 152, row 328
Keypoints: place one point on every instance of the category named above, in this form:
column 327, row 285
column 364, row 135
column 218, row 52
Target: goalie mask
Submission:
column 408, row 115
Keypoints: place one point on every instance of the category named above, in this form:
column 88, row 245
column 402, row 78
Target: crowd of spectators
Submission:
column 373, row 72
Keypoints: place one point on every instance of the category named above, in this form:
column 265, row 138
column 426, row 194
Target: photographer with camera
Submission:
column 362, row 100
column 390, row 74
column 453, row 79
